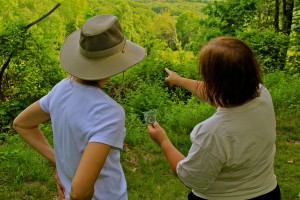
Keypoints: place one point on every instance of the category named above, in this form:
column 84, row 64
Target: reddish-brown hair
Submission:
column 230, row 71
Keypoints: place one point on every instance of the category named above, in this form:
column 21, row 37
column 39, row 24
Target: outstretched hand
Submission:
column 157, row 133
column 173, row 78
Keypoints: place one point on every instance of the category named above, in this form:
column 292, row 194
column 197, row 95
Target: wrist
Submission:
column 164, row 142
column 179, row 81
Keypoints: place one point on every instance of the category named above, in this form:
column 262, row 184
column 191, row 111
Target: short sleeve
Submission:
column 45, row 102
column 199, row 169
column 109, row 127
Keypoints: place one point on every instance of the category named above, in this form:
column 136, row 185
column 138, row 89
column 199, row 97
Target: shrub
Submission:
column 270, row 47
column 284, row 89
column 182, row 117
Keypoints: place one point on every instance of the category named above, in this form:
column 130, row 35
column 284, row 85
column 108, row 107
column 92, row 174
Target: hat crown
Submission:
column 101, row 33
column 99, row 50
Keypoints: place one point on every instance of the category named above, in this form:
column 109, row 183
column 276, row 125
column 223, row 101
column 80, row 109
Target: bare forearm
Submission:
column 194, row 86
column 26, row 124
column 172, row 154
column 35, row 138
column 158, row 135
column 88, row 170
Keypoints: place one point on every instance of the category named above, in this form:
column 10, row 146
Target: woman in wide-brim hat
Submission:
column 88, row 126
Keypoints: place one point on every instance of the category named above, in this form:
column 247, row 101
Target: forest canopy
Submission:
column 170, row 31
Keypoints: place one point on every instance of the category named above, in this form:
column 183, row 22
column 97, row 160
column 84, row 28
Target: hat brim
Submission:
column 74, row 63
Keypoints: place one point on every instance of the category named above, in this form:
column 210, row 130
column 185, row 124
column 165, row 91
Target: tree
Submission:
column 187, row 26
column 18, row 38
column 287, row 12
column 230, row 15
column 28, row 66
column 272, row 57
column 164, row 28
column 276, row 16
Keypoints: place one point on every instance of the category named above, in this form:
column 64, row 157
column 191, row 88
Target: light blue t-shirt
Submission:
column 81, row 114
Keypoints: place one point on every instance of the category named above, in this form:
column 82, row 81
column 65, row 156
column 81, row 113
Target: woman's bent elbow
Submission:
column 15, row 124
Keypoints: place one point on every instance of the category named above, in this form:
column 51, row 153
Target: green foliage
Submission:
column 293, row 62
column 24, row 174
column 160, row 9
column 171, row 32
column 32, row 72
column 284, row 89
column 164, row 28
column 205, row 33
column 21, row 174
column 33, row 68
column 295, row 35
column 145, row 98
column 230, row 15
column 174, row 7
column 269, row 46
column 191, row 113
column 135, row 129
column 264, row 18
column 8, row 111
column 12, row 38
column 187, row 27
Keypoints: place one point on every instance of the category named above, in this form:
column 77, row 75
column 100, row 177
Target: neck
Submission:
column 95, row 83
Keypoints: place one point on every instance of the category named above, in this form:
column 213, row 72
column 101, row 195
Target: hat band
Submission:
column 103, row 53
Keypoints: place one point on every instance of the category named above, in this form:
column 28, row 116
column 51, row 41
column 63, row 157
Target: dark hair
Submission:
column 230, row 72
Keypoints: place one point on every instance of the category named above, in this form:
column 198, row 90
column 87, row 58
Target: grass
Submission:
column 287, row 163
column 24, row 174
column 148, row 175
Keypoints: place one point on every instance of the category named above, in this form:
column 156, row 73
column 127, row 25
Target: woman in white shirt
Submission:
column 88, row 126
column 232, row 152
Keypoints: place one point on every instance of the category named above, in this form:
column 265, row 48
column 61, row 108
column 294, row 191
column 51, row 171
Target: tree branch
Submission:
column 43, row 17
column 6, row 64
column 4, row 67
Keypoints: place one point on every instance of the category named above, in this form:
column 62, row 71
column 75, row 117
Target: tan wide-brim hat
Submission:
column 99, row 50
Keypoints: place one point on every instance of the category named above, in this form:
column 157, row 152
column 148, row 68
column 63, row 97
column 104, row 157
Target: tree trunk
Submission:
column 287, row 12
column 276, row 16
column 4, row 67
